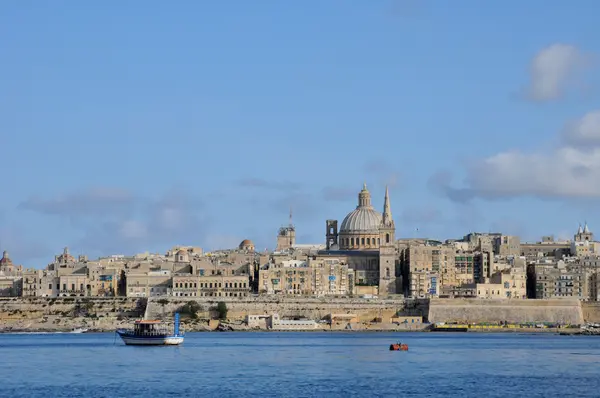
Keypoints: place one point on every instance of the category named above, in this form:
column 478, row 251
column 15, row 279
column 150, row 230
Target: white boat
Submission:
column 152, row 332
column 79, row 330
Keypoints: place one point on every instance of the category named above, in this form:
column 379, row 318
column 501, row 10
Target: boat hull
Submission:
column 129, row 339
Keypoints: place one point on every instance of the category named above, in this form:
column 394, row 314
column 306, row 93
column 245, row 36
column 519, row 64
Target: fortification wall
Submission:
column 107, row 313
column 567, row 311
column 310, row 308
column 64, row 314
column 63, row 306
column 591, row 311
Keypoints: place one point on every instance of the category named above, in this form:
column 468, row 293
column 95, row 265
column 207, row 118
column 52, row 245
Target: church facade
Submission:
column 366, row 241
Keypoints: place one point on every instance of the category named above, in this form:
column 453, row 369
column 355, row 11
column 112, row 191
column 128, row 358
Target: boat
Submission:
column 398, row 347
column 79, row 330
column 152, row 332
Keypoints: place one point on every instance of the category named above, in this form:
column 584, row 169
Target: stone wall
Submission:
column 567, row 311
column 66, row 305
column 310, row 308
column 591, row 311
column 108, row 313
column 64, row 314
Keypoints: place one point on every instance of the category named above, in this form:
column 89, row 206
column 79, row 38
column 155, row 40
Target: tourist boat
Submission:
column 398, row 347
column 79, row 330
column 152, row 332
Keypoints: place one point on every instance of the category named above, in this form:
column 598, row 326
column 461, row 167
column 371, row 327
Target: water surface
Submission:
column 302, row 365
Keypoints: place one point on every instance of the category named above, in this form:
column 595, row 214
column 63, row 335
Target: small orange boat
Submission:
column 398, row 347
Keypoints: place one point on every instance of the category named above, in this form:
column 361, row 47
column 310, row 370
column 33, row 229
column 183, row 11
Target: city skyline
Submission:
column 202, row 125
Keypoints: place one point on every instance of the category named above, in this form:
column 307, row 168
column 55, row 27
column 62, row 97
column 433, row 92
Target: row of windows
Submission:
column 350, row 242
column 219, row 294
column 228, row 285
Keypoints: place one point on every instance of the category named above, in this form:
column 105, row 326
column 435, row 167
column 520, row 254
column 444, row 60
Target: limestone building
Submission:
column 367, row 243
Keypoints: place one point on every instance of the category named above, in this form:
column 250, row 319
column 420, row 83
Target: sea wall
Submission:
column 591, row 311
column 301, row 307
column 63, row 314
column 110, row 313
column 106, row 314
column 567, row 311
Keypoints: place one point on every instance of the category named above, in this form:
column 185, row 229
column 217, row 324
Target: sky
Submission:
column 135, row 126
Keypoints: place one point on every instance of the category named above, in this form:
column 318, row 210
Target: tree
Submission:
column 191, row 308
column 222, row 310
column 140, row 305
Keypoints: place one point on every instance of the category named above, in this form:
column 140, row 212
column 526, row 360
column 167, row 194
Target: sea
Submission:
column 296, row 364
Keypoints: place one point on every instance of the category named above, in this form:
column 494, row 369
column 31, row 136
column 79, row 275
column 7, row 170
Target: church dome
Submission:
column 246, row 244
column 363, row 219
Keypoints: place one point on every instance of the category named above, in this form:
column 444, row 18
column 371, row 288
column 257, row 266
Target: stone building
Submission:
column 153, row 283
column 431, row 268
column 546, row 280
column 366, row 242
column 507, row 284
column 11, row 277
column 211, row 286
column 314, row 276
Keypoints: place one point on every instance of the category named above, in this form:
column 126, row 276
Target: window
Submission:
column 387, row 238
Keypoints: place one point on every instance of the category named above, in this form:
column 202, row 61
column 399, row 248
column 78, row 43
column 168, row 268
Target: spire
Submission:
column 586, row 230
column 580, row 230
column 364, row 186
column 387, row 211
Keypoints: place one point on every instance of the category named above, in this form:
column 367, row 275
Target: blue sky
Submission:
column 139, row 126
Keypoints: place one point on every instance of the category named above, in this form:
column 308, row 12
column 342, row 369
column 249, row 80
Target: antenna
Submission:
column 291, row 223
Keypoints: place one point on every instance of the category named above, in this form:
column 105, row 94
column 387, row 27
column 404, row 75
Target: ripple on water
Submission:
column 302, row 365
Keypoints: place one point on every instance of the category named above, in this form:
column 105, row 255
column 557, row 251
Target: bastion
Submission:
column 30, row 314
column 565, row 311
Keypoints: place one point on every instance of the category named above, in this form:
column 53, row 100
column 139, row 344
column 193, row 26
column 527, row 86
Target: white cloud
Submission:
column 115, row 221
column 585, row 131
column 132, row 229
column 553, row 70
column 568, row 171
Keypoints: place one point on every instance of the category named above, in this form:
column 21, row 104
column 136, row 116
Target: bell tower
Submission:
column 331, row 235
column 387, row 249
column 286, row 237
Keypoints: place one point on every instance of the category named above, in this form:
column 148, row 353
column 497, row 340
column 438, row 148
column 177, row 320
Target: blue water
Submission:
column 302, row 365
